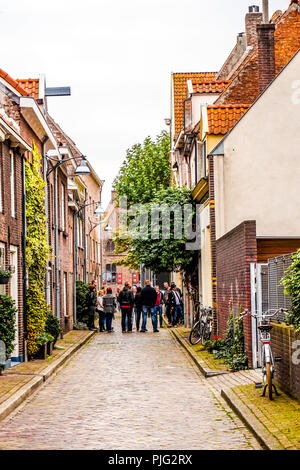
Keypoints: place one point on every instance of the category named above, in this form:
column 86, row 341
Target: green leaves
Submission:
column 8, row 313
column 37, row 251
column 291, row 283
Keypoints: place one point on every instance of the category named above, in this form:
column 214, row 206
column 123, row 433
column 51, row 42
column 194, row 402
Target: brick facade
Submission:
column 284, row 344
column 266, row 55
column 234, row 253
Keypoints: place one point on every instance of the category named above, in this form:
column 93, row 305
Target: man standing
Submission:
column 149, row 297
column 158, row 305
column 167, row 303
column 175, row 304
column 91, row 305
column 126, row 301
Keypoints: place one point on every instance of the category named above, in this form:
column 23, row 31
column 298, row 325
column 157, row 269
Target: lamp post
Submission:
column 82, row 169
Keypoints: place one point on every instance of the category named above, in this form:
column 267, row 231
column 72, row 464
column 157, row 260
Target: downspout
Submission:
column 24, row 232
column 57, row 286
column 84, row 240
column 75, row 258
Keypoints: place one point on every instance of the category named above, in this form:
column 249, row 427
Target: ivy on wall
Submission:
column 37, row 251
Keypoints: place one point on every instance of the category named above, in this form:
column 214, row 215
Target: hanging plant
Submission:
column 37, row 251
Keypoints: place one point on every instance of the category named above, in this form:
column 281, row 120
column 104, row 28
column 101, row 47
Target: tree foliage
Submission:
column 144, row 179
column 145, row 170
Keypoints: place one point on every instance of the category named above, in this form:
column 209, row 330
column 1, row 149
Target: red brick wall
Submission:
column 11, row 228
column 235, row 251
column 287, row 373
column 266, row 55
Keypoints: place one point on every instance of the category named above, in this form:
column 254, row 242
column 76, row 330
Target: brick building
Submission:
column 205, row 107
column 21, row 125
column 114, row 275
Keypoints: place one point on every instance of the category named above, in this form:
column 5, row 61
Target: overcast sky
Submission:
column 117, row 56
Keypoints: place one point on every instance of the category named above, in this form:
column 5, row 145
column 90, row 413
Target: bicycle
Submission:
column 202, row 328
column 268, row 369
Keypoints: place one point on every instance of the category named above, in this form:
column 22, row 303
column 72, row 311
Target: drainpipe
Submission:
column 84, row 240
column 75, row 259
column 57, row 286
column 24, row 231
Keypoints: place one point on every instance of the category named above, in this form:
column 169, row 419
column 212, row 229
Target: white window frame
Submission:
column 63, row 210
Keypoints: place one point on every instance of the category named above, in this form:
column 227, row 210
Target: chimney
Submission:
column 266, row 55
column 253, row 18
column 265, row 7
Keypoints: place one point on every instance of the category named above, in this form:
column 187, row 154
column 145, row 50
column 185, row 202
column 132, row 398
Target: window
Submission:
column 1, row 206
column 12, row 184
column 65, row 291
column 63, row 212
column 2, row 266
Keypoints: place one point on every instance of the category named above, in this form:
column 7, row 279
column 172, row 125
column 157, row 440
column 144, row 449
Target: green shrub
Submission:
column 231, row 350
column 52, row 326
column 291, row 283
column 82, row 288
column 8, row 313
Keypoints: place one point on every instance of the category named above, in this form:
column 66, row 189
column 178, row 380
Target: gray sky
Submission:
column 117, row 56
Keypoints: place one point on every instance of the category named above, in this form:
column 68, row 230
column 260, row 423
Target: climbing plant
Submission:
column 8, row 313
column 37, row 251
column 291, row 283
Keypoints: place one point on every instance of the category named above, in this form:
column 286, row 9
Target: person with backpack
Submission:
column 126, row 301
column 109, row 305
column 91, row 305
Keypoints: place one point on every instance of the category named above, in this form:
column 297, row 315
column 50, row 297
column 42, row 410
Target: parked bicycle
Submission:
column 202, row 327
column 268, row 368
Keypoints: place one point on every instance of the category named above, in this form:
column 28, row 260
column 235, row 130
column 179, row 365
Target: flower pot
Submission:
column 4, row 280
column 49, row 348
column 41, row 353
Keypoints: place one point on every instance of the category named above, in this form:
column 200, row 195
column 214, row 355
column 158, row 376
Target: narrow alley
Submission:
column 126, row 391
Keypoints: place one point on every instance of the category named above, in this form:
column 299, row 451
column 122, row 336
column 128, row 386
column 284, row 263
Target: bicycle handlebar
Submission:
column 263, row 314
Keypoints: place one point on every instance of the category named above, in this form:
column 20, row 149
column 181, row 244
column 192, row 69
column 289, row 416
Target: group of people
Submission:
column 136, row 305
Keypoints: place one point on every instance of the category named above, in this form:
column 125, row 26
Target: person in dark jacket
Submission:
column 109, row 305
column 91, row 305
column 149, row 297
column 175, row 304
column 138, row 307
column 126, row 301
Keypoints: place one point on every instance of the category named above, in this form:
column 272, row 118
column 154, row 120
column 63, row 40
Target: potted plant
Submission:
column 4, row 276
column 43, row 340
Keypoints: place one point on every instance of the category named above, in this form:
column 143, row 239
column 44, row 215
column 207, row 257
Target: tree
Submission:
column 145, row 170
column 144, row 179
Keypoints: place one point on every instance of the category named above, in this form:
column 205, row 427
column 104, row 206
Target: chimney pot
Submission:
column 252, row 19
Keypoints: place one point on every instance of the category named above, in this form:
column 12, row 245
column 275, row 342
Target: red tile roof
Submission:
column 222, row 118
column 13, row 83
column 180, row 93
column 31, row 85
column 210, row 87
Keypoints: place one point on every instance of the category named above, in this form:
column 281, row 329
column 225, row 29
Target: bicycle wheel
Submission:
column 269, row 380
column 206, row 334
column 195, row 335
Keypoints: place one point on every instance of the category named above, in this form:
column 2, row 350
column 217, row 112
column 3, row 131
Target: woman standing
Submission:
column 109, row 305
column 100, row 310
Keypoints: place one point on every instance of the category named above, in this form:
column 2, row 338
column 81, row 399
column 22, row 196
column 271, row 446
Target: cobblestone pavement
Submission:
column 126, row 391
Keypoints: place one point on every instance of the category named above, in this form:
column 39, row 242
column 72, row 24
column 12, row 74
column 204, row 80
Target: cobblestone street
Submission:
column 126, row 391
